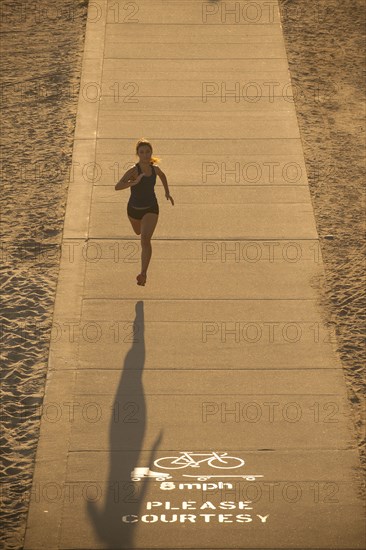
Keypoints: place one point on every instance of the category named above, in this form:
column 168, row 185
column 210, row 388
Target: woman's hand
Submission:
column 170, row 198
column 137, row 180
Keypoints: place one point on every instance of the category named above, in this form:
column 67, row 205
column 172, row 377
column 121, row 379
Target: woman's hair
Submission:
column 144, row 141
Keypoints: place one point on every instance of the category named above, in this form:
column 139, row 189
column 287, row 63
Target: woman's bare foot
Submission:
column 141, row 279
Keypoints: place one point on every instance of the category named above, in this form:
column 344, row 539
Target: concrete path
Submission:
column 207, row 409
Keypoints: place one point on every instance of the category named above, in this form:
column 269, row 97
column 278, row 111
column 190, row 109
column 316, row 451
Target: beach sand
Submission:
column 325, row 44
column 41, row 65
column 41, row 57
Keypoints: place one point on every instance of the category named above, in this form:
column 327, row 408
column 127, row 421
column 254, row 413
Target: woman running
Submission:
column 142, row 206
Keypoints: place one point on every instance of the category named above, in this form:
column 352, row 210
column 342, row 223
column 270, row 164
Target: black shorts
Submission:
column 138, row 213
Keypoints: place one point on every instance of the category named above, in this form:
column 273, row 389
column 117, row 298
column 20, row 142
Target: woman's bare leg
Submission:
column 148, row 224
column 136, row 225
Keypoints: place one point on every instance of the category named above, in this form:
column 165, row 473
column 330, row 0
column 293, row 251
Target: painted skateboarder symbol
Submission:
column 203, row 477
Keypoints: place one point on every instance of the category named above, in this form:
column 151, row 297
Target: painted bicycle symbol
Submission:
column 185, row 460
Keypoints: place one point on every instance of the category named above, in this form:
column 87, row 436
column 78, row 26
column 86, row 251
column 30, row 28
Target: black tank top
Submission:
column 143, row 194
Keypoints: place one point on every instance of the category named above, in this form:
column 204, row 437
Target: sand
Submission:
column 325, row 43
column 41, row 66
column 41, row 62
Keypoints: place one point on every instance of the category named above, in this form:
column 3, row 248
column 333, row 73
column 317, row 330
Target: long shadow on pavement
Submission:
column 127, row 430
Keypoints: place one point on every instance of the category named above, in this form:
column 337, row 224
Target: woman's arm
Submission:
column 129, row 178
column 162, row 176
